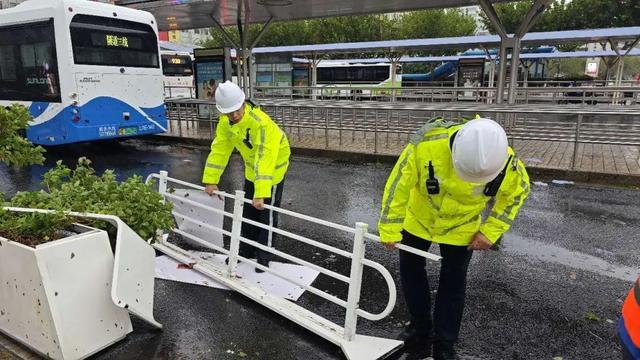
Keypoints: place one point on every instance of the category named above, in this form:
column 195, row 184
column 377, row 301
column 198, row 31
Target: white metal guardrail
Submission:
column 555, row 93
column 354, row 346
column 576, row 124
column 589, row 95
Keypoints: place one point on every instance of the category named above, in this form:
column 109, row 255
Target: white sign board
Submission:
column 591, row 67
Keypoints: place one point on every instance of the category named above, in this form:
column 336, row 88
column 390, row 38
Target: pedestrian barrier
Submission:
column 355, row 346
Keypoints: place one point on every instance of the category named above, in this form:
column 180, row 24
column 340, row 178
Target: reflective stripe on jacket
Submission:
column 454, row 215
column 262, row 145
column 629, row 323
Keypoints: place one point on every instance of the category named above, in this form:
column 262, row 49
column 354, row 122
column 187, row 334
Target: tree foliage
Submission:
column 14, row 148
column 570, row 15
column 411, row 25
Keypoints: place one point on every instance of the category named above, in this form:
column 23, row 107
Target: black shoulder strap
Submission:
column 491, row 189
column 453, row 137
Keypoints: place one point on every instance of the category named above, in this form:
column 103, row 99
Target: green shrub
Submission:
column 14, row 148
column 81, row 190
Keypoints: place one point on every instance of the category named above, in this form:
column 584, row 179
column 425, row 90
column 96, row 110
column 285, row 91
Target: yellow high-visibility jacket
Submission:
column 454, row 215
column 262, row 145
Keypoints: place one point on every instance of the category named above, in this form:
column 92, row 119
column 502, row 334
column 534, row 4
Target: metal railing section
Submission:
column 533, row 93
column 590, row 95
column 336, row 121
column 341, row 335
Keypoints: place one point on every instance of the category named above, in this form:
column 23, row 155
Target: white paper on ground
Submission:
column 562, row 182
column 540, row 183
column 167, row 269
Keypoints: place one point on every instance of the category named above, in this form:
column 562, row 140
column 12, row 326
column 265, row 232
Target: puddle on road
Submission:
column 515, row 244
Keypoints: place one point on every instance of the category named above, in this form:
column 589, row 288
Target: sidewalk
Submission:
column 608, row 164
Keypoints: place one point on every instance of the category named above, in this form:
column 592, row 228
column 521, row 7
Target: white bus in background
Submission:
column 86, row 70
column 177, row 69
column 358, row 75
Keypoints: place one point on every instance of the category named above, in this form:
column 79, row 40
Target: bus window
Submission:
column 177, row 65
column 28, row 66
column 113, row 42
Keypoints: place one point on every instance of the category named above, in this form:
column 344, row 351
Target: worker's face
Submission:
column 236, row 115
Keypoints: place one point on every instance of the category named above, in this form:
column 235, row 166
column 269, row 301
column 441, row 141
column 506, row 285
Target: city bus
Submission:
column 177, row 71
column 85, row 70
column 359, row 75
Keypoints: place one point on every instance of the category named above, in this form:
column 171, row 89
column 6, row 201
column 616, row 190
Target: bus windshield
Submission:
column 177, row 65
column 28, row 66
column 99, row 40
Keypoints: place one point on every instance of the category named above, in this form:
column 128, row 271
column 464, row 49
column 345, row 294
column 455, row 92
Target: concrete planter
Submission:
column 56, row 298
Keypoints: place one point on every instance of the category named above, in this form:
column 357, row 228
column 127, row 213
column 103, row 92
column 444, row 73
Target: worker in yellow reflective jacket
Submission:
column 436, row 193
column 265, row 150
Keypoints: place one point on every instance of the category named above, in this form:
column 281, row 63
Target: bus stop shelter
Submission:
column 186, row 14
column 190, row 14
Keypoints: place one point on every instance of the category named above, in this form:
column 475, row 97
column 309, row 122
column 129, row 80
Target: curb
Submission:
column 578, row 176
column 13, row 349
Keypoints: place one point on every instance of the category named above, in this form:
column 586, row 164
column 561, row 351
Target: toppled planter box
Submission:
column 69, row 298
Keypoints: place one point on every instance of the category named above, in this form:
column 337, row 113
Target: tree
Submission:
column 570, row 15
column 411, row 25
column 435, row 23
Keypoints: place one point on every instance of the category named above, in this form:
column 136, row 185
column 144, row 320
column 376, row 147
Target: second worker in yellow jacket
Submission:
column 437, row 193
column 265, row 151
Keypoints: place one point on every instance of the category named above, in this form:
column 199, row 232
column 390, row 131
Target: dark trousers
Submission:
column 447, row 314
column 255, row 233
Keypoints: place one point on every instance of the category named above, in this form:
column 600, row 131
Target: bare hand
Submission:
column 211, row 190
column 258, row 204
column 389, row 245
column 479, row 242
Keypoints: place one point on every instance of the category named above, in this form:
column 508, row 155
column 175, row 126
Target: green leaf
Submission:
column 590, row 315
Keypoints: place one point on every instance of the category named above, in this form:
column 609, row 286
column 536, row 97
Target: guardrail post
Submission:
column 326, row 128
column 179, row 120
column 236, row 227
column 162, row 183
column 162, row 190
column 355, row 284
column 575, row 145
column 375, row 132
column 340, row 126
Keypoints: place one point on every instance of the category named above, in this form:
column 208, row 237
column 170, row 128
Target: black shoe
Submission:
column 444, row 352
column 413, row 334
column 262, row 262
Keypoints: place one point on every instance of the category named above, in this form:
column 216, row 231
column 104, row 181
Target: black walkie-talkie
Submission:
column 433, row 186
column 247, row 140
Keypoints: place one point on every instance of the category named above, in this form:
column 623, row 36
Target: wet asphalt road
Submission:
column 553, row 290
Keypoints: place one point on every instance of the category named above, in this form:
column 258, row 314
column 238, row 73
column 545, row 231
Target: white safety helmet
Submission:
column 229, row 97
column 480, row 150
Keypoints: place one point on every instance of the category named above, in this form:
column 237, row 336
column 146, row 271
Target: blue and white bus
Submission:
column 86, row 70
column 177, row 68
